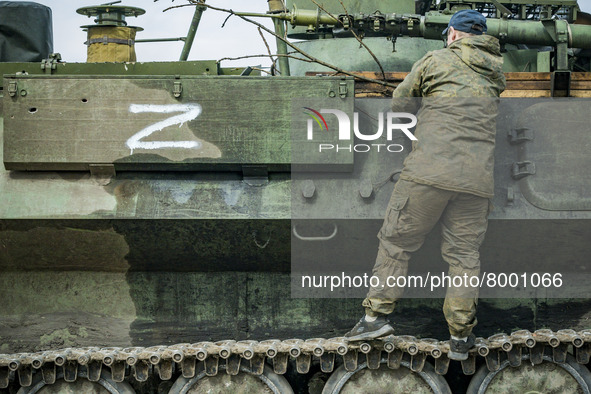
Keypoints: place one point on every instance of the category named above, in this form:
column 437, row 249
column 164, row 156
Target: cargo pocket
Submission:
column 391, row 226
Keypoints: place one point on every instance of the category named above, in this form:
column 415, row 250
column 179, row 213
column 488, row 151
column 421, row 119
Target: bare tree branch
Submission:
column 261, row 69
column 253, row 56
column 225, row 20
column 274, row 61
column 303, row 53
column 375, row 58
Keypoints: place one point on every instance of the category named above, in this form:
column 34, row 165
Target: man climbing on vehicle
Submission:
column 447, row 178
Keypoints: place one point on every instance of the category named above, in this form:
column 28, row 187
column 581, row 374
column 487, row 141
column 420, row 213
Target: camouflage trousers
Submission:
column 414, row 209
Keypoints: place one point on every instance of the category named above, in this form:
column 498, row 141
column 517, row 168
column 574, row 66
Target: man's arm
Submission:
column 402, row 100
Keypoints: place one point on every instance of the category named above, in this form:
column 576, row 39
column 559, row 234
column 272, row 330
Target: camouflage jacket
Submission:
column 456, row 128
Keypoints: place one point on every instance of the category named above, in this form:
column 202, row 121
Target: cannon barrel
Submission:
column 430, row 26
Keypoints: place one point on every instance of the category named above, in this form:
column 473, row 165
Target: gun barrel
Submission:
column 543, row 33
column 510, row 31
column 297, row 17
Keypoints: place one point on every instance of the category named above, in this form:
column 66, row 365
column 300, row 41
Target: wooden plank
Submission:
column 516, row 76
column 510, row 76
column 580, row 93
column 580, row 76
column 580, row 85
column 138, row 124
column 390, row 76
column 526, row 93
column 527, row 85
column 519, row 84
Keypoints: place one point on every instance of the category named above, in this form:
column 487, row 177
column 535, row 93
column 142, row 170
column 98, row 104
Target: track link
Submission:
column 141, row 362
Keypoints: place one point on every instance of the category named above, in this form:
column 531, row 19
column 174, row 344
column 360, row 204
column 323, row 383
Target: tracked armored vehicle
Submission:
column 148, row 210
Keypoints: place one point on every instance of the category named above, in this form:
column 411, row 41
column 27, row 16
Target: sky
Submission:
column 237, row 38
column 212, row 42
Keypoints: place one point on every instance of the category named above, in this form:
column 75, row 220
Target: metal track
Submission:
column 194, row 358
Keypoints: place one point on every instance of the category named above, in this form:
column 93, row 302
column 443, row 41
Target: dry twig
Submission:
column 375, row 58
column 303, row 53
column 274, row 61
column 253, row 56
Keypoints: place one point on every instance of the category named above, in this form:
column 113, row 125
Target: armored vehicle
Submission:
column 151, row 212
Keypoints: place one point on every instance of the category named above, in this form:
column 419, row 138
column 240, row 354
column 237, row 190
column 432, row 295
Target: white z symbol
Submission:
column 190, row 112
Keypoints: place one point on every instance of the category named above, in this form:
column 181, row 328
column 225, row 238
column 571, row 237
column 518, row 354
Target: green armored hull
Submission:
column 148, row 216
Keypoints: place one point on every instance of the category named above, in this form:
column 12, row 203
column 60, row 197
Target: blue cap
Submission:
column 468, row 21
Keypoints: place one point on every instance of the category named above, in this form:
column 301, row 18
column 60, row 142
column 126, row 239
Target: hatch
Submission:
column 553, row 154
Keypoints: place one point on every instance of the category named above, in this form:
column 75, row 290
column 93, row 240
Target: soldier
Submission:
column 448, row 176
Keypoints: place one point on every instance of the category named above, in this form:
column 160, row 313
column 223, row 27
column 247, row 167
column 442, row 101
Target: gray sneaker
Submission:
column 458, row 350
column 365, row 330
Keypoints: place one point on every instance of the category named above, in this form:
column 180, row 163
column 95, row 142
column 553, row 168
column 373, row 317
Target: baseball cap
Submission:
column 468, row 21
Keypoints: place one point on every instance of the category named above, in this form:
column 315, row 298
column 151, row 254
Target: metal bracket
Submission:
column 393, row 39
column 108, row 40
column 562, row 41
column 376, row 25
column 503, row 30
column 319, row 238
column 177, row 89
column 51, row 62
column 246, row 72
column 343, row 90
column 308, row 188
column 316, row 28
column 521, row 169
column 520, row 135
column 510, row 195
column 560, row 84
column 346, row 22
column 559, row 30
column 12, row 88
column 501, row 8
column 365, row 188
column 255, row 175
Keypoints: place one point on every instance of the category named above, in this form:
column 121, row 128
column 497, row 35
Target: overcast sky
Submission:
column 237, row 38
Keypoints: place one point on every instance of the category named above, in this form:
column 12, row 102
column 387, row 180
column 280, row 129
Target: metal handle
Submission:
column 331, row 236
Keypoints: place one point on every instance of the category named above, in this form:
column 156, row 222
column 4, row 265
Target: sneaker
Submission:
column 365, row 330
column 458, row 350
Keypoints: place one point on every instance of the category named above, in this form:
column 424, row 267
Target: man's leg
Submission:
column 412, row 212
column 463, row 226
